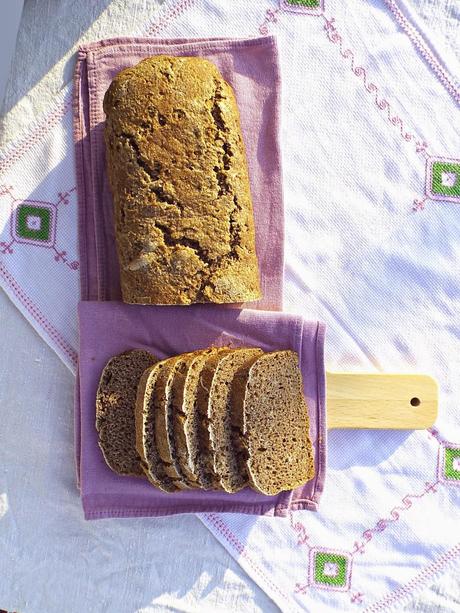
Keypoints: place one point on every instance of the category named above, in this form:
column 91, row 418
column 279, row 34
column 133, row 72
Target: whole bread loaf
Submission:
column 179, row 178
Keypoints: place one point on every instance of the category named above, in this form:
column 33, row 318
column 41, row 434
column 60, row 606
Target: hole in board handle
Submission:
column 415, row 402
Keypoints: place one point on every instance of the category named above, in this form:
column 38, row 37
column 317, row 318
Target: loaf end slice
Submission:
column 225, row 413
column 276, row 425
column 115, row 409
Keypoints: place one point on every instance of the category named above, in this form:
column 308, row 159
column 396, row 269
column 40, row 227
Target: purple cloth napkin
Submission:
column 107, row 328
column 251, row 68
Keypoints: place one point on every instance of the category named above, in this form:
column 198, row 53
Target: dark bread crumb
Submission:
column 115, row 407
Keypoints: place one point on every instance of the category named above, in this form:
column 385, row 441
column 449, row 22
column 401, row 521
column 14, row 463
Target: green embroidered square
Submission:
column 308, row 3
column 33, row 222
column 339, row 578
column 445, row 179
column 452, row 463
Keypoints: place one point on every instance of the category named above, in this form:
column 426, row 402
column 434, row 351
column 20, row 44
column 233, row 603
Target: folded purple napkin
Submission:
column 108, row 328
column 251, row 68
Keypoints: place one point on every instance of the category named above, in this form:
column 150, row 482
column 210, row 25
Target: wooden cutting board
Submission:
column 398, row 402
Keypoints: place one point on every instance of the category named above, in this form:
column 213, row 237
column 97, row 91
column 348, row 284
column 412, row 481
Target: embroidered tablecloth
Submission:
column 371, row 151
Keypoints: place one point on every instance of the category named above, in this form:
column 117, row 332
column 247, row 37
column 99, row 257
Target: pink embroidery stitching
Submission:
column 383, row 104
column 38, row 315
column 32, row 231
column 174, row 12
column 419, row 205
column 357, row 598
column 233, row 539
column 299, row 528
column 417, row 40
column 270, row 17
column 36, row 134
column 421, row 579
column 367, row 535
column 435, row 434
column 395, row 514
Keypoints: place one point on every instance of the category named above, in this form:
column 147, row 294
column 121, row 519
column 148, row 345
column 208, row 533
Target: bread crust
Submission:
column 178, row 173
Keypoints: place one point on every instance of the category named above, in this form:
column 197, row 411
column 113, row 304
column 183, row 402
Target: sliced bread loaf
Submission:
column 225, row 414
column 115, row 408
column 146, row 404
column 276, row 425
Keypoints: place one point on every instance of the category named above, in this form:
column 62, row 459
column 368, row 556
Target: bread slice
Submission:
column 195, row 406
column 115, row 407
column 276, row 425
column 187, row 362
column 146, row 444
column 225, row 414
column 164, row 405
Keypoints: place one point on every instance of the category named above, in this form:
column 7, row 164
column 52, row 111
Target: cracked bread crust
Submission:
column 178, row 174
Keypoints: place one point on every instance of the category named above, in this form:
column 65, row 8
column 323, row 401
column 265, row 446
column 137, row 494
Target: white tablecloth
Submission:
column 51, row 559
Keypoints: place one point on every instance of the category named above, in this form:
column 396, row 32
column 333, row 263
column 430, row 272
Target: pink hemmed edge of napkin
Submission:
column 167, row 331
column 251, row 67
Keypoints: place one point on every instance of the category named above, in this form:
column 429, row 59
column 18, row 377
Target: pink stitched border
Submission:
column 335, row 37
column 38, row 315
column 173, row 13
column 408, row 589
column 36, row 134
column 417, row 40
column 225, row 531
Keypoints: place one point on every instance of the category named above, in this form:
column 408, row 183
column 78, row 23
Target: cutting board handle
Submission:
column 401, row 402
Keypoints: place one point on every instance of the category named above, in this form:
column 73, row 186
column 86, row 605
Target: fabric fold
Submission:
column 108, row 328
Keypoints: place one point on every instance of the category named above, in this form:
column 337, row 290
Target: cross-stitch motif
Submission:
column 307, row 7
column 311, row 7
column 443, row 179
column 33, row 222
column 442, row 175
column 330, row 569
column 449, row 463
